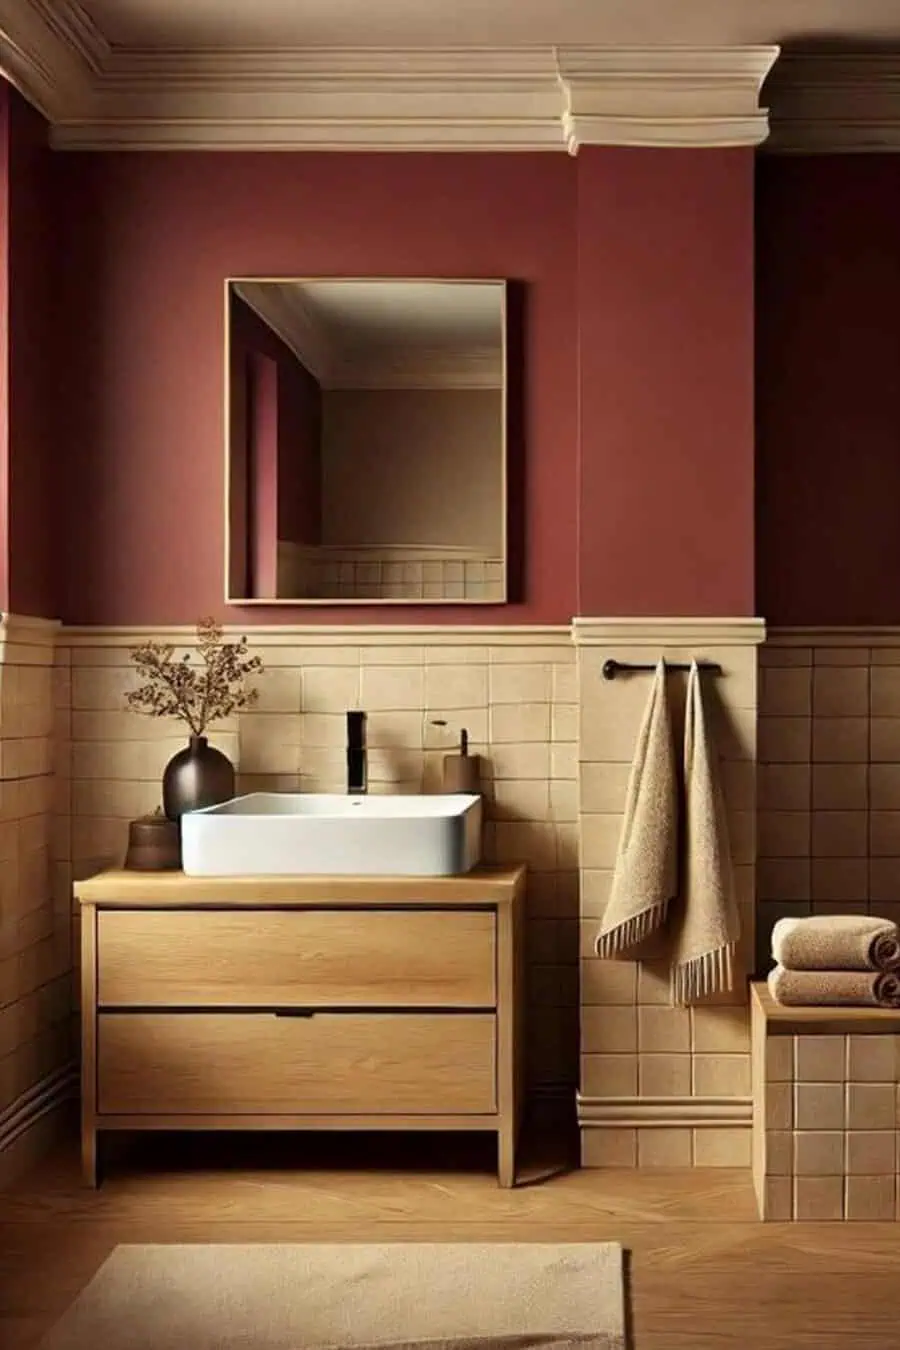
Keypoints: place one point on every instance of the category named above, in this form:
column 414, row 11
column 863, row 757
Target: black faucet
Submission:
column 357, row 766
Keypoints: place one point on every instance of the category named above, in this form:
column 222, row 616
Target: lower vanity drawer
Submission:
column 263, row 1063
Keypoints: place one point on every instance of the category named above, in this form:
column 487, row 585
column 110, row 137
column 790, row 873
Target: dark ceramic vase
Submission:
column 200, row 775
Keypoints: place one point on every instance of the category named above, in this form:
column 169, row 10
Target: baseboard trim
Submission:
column 598, row 1113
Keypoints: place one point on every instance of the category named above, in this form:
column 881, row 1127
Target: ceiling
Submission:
column 386, row 333
column 363, row 314
column 458, row 75
column 491, row 22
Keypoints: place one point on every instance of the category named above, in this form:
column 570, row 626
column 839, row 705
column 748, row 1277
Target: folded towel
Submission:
column 646, row 871
column 823, row 988
column 705, row 923
column 836, row 942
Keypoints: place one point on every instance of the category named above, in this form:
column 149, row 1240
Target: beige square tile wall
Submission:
column 661, row 1086
column 825, row 1129
column 515, row 694
column 829, row 779
column 35, row 952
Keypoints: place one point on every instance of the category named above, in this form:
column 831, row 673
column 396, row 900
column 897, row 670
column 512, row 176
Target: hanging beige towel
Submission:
column 705, row 924
column 838, row 988
column 646, row 872
column 836, row 942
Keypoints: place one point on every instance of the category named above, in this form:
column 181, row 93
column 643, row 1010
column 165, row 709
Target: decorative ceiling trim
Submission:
column 825, row 103
column 290, row 319
column 664, row 96
column 98, row 95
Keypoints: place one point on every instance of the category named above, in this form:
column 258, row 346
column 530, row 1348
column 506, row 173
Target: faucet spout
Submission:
column 357, row 762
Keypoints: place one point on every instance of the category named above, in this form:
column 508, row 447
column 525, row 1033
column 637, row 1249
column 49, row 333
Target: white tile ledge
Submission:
column 672, row 632
column 331, row 635
column 847, row 636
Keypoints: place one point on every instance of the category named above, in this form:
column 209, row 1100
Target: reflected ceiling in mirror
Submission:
column 366, row 441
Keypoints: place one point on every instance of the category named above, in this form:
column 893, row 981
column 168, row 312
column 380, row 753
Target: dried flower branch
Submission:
column 196, row 694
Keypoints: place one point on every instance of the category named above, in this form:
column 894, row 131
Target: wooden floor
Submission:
column 705, row 1274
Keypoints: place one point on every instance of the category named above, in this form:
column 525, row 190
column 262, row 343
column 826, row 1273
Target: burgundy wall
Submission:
column 665, row 346
column 297, row 419
column 828, row 390
column 29, row 323
column 150, row 238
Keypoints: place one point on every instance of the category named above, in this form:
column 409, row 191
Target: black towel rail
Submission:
column 610, row 669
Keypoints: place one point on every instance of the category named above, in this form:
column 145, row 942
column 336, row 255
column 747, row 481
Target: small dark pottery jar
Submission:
column 200, row 775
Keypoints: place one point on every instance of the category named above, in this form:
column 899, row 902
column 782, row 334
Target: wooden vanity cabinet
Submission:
column 302, row 1003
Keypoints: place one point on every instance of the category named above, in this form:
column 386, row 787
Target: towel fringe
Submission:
column 631, row 933
column 711, row 973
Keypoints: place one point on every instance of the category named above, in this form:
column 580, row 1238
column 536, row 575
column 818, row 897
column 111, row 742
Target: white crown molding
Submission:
column 663, row 1112
column 664, row 96
column 663, row 632
column 102, row 96
column 51, row 53
column 825, row 103
column 321, row 99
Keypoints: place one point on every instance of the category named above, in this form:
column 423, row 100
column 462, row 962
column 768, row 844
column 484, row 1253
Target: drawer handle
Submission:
column 294, row 1012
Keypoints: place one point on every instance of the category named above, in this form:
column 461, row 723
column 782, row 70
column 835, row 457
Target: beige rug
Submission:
column 446, row 1296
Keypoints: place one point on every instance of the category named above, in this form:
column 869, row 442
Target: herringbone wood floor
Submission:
column 705, row 1274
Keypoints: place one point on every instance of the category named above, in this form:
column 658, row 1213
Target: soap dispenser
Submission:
column 461, row 770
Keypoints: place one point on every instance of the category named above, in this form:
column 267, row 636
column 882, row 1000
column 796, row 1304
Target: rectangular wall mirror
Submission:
column 366, row 428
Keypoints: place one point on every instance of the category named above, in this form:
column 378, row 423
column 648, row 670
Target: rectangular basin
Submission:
column 329, row 834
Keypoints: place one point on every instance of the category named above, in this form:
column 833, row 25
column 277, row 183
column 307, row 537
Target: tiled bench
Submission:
column 826, row 1125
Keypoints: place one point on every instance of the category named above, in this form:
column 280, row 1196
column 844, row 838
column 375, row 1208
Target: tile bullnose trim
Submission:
column 331, row 635
column 28, row 630
column 663, row 1112
column 849, row 635
column 673, row 632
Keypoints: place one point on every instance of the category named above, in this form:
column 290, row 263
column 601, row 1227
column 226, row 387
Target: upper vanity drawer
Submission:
column 296, row 958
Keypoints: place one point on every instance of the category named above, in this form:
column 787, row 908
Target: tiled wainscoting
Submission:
column 661, row 1086
column 35, row 905
column 514, row 691
column 829, row 776
column 826, row 1138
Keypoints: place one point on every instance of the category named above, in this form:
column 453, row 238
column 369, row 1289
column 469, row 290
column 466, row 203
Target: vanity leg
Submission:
column 89, row 1156
column 506, row 1154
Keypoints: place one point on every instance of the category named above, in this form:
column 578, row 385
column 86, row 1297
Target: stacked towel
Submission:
column 838, row 988
column 844, row 959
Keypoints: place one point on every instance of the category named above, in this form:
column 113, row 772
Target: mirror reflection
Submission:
column 366, row 426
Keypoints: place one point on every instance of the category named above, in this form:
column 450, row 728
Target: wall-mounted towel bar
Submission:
column 610, row 669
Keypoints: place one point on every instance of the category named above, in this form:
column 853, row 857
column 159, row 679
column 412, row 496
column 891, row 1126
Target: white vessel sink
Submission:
column 328, row 834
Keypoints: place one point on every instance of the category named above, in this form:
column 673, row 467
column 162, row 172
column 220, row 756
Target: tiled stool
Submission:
column 826, row 1126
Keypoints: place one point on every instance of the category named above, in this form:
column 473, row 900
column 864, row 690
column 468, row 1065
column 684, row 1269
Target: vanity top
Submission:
column 500, row 884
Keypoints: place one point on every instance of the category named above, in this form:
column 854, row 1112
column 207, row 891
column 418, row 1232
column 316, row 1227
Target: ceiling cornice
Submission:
column 101, row 96
column 672, row 96
column 97, row 95
column 826, row 102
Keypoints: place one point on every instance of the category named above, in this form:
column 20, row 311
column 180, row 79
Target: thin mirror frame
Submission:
column 349, row 601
